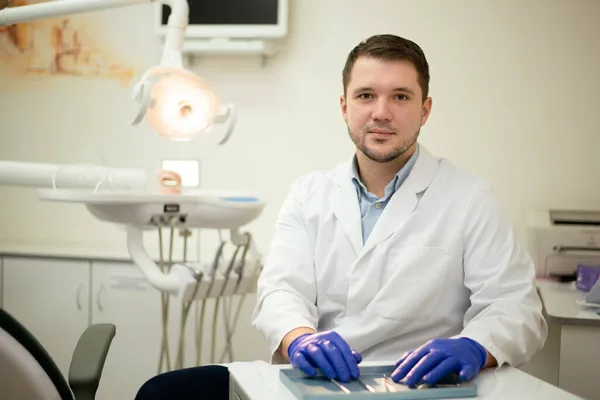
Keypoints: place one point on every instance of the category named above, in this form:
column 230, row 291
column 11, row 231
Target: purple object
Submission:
column 587, row 275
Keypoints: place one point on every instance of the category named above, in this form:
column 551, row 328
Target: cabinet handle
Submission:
column 78, row 295
column 99, row 297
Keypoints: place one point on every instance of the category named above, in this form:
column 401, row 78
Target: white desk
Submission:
column 571, row 357
column 560, row 304
column 259, row 380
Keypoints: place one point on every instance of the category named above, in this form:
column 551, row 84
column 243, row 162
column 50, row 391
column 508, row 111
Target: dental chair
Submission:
column 27, row 372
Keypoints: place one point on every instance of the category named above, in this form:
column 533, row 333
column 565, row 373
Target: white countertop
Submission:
column 260, row 381
column 63, row 251
column 83, row 252
column 560, row 303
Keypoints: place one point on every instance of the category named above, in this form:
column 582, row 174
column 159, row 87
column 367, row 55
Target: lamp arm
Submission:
column 33, row 12
column 177, row 24
column 45, row 175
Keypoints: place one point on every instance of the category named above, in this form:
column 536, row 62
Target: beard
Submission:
column 361, row 144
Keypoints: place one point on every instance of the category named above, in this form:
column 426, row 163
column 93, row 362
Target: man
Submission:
column 396, row 255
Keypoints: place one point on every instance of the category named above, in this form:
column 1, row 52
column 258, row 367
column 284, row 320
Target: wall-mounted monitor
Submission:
column 248, row 19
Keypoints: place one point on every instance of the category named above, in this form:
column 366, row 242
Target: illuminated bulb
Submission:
column 182, row 106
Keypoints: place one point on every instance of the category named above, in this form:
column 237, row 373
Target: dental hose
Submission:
column 236, row 317
column 217, row 302
column 230, row 325
column 200, row 326
column 186, row 306
column 164, row 353
column 228, row 302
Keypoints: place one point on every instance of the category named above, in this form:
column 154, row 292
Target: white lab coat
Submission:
column 442, row 260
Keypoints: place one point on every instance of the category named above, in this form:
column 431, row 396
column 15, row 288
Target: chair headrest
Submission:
column 22, row 376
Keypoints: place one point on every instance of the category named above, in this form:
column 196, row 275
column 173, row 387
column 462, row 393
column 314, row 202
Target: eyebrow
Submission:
column 370, row 89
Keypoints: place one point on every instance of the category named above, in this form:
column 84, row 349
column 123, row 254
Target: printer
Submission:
column 560, row 240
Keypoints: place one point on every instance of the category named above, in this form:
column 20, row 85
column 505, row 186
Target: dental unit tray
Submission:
column 209, row 209
column 320, row 387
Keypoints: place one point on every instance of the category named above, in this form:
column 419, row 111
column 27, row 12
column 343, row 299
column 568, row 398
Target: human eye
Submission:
column 365, row 96
column 402, row 97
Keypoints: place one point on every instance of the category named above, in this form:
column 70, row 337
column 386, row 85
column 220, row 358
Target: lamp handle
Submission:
column 231, row 114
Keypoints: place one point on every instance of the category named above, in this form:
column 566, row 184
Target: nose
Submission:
column 382, row 110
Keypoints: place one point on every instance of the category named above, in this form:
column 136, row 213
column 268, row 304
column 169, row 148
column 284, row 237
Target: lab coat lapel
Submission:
column 345, row 206
column 404, row 201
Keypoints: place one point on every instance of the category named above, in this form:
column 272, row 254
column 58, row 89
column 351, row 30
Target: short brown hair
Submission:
column 390, row 47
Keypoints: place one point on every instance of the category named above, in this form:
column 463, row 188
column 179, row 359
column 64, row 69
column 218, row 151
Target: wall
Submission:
column 514, row 84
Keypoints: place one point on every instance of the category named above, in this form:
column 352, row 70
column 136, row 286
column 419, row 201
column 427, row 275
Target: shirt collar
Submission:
column 394, row 184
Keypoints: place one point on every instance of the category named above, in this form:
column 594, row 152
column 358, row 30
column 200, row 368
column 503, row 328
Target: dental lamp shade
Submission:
column 179, row 105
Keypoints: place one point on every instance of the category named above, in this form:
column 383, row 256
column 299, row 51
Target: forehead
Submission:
column 383, row 74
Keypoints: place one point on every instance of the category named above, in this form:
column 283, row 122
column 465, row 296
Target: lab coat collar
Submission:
column 346, row 207
column 420, row 177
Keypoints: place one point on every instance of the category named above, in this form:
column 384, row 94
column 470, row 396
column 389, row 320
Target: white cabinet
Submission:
column 57, row 299
column 579, row 355
column 123, row 297
column 50, row 297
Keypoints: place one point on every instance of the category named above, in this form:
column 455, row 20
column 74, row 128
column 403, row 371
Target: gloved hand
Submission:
column 439, row 358
column 326, row 351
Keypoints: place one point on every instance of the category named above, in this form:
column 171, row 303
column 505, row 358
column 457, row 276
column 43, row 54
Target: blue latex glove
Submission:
column 439, row 358
column 326, row 351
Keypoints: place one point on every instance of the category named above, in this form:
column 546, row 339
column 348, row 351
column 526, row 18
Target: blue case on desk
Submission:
column 320, row 388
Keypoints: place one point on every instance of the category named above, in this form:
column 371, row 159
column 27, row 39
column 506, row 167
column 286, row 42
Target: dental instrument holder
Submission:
column 218, row 285
column 304, row 387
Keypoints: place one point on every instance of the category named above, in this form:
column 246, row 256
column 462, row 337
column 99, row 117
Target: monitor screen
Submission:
column 230, row 12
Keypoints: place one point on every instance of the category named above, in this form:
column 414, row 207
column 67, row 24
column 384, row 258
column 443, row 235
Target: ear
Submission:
column 426, row 110
column 344, row 107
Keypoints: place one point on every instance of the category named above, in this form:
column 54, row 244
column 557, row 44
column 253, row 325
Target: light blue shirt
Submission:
column 371, row 206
